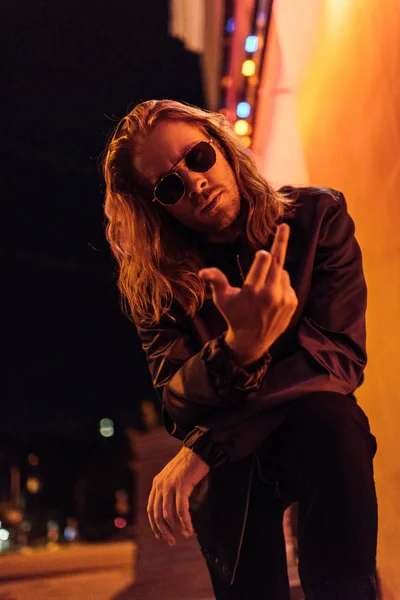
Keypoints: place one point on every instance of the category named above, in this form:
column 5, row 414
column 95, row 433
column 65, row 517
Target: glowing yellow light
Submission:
column 246, row 141
column 241, row 127
column 248, row 68
column 336, row 10
column 33, row 485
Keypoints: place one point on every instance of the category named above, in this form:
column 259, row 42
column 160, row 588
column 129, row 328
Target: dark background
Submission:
column 70, row 70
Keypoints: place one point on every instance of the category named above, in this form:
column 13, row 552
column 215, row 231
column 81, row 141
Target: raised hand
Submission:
column 259, row 312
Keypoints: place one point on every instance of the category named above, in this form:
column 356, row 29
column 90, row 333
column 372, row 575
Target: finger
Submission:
column 215, row 277
column 288, row 292
column 278, row 253
column 259, row 269
column 218, row 282
column 150, row 513
column 182, row 510
column 169, row 513
column 162, row 525
column 285, row 279
column 280, row 244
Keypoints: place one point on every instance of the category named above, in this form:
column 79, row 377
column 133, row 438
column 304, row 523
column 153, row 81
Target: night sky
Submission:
column 71, row 69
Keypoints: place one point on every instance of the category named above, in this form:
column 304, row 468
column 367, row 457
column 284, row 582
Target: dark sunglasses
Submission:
column 170, row 189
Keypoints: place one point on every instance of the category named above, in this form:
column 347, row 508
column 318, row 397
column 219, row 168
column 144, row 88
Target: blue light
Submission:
column 251, row 44
column 243, row 110
column 230, row 25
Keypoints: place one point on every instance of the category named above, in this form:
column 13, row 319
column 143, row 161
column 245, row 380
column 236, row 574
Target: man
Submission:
column 255, row 343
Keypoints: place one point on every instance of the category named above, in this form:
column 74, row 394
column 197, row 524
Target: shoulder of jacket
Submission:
column 312, row 192
column 313, row 199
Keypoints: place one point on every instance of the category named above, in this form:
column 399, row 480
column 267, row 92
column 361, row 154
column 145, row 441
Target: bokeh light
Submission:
column 251, row 44
column 241, row 127
column 248, row 68
column 33, row 460
column 33, row 485
column 230, row 25
column 4, row 535
column 120, row 522
column 246, row 141
column 106, row 428
column 243, row 110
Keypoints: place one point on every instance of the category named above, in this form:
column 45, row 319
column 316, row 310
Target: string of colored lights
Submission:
column 239, row 95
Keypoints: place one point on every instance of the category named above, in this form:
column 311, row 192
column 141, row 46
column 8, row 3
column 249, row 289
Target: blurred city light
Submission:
column 243, row 110
column 230, row 25
column 122, row 502
column 26, row 526
column 70, row 533
column 242, row 127
column 33, row 485
column 4, row 535
column 53, row 532
column 226, row 81
column 33, row 460
column 246, row 141
column 262, row 17
column 106, row 428
column 120, row 522
column 251, row 44
column 248, row 68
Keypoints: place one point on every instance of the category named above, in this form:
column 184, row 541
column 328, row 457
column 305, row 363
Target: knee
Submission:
column 334, row 420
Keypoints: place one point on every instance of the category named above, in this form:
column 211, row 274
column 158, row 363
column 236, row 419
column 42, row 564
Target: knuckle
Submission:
column 291, row 299
column 269, row 294
column 274, row 296
column 249, row 290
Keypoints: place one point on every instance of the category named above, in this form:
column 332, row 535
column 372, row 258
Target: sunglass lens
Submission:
column 201, row 158
column 170, row 190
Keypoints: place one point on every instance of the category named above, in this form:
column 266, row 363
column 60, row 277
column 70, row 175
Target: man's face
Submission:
column 162, row 149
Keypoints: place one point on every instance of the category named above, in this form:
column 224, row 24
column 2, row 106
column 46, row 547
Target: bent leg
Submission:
column 262, row 570
column 326, row 464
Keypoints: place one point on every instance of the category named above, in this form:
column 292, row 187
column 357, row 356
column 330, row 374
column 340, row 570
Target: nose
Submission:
column 195, row 183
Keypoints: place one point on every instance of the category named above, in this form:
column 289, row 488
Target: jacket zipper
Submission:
column 277, row 493
column 250, row 482
column 239, row 267
column 246, row 512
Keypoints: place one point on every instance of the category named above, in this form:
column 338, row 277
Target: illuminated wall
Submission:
column 330, row 115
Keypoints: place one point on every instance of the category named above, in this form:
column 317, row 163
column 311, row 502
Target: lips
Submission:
column 213, row 202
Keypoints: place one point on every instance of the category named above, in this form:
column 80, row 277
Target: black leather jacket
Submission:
column 224, row 412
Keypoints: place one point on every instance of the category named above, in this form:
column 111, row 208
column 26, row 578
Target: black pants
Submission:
column 321, row 458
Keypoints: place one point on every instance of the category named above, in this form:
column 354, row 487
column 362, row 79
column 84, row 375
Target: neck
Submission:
column 227, row 235
column 231, row 233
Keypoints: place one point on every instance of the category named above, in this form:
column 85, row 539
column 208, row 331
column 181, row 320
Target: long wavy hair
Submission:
column 158, row 258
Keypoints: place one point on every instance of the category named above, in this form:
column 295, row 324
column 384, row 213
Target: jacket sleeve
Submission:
column 194, row 386
column 328, row 353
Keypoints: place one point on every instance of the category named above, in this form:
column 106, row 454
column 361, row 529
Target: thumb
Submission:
column 216, row 278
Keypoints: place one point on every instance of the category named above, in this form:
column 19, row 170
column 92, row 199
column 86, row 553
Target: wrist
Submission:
column 200, row 443
column 241, row 353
